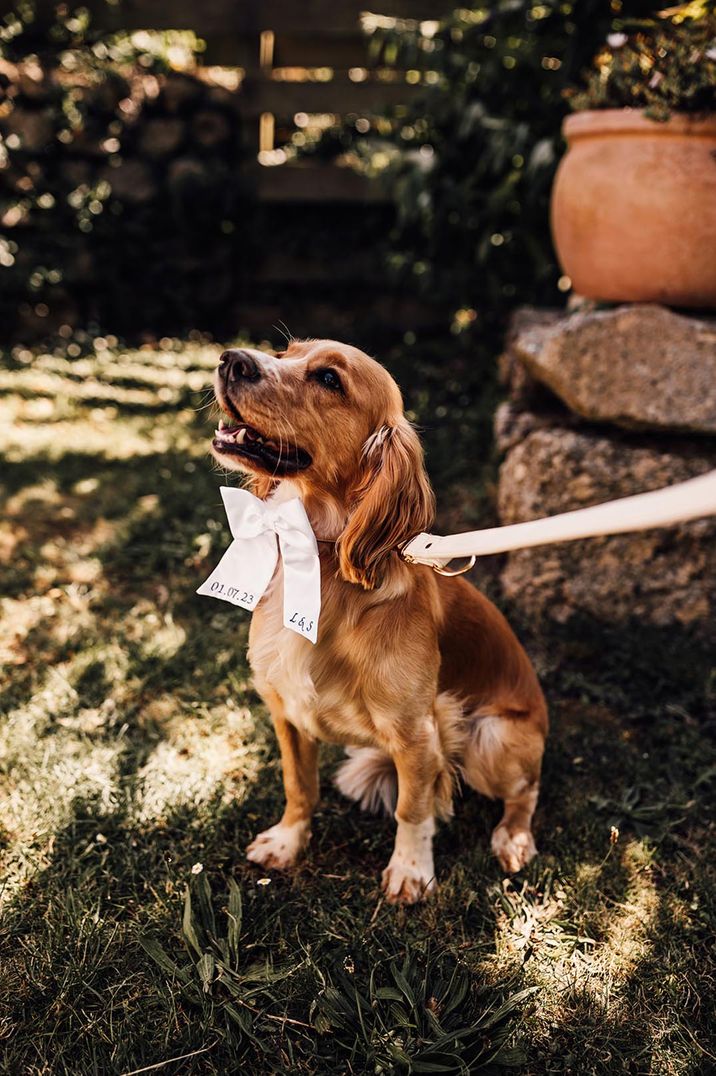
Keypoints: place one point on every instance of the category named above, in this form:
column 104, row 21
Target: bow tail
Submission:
column 244, row 572
column 301, row 589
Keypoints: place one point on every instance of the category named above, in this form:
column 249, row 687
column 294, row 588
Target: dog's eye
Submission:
column 328, row 378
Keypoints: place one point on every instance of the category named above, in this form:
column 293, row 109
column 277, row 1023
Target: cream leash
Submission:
column 694, row 499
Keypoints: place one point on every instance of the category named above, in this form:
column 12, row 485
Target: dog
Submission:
column 418, row 675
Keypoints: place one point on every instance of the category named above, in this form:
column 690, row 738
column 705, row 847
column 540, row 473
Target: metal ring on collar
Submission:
column 457, row 571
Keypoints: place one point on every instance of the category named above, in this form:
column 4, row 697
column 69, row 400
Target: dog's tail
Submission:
column 369, row 778
column 368, row 775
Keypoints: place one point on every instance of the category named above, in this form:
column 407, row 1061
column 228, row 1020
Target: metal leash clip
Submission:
column 440, row 570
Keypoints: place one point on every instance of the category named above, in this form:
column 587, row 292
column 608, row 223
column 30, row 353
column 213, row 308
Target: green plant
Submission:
column 419, row 1014
column 470, row 162
column 662, row 65
column 414, row 1012
column 217, row 975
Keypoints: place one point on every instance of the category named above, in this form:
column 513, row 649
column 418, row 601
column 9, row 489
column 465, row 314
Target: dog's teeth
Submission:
column 222, row 424
column 224, row 437
column 241, row 435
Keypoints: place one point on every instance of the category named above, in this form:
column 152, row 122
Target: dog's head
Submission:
column 329, row 419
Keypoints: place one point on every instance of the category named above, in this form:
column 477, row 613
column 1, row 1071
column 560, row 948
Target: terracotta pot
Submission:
column 634, row 208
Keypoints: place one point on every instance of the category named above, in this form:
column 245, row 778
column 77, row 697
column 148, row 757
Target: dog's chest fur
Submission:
column 287, row 665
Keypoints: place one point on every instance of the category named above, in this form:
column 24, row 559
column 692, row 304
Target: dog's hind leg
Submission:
column 368, row 775
column 502, row 760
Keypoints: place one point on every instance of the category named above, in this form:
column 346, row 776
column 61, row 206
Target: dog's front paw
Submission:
column 406, row 884
column 280, row 846
column 514, row 849
column 410, row 875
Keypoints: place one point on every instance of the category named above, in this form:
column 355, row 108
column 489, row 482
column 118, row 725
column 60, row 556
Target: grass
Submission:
column 136, row 763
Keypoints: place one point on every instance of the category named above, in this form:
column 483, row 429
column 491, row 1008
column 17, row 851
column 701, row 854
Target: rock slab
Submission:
column 638, row 367
column 664, row 577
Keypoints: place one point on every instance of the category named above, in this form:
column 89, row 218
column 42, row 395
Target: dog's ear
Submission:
column 392, row 502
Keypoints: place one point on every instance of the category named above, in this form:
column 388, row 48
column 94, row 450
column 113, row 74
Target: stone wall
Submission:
column 601, row 405
column 121, row 200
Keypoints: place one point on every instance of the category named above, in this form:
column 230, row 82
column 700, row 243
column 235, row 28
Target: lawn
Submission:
column 136, row 763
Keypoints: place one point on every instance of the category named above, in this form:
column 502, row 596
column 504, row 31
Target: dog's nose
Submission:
column 238, row 365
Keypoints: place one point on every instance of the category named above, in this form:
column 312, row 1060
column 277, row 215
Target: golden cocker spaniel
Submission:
column 419, row 675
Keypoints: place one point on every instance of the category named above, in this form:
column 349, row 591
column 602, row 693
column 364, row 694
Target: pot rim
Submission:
column 604, row 121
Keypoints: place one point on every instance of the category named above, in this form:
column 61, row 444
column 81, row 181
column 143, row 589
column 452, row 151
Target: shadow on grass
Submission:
column 656, row 1017
column 75, row 967
column 631, row 760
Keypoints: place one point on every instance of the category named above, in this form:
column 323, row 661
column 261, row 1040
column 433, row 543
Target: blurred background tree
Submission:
column 129, row 206
column 470, row 163
column 126, row 202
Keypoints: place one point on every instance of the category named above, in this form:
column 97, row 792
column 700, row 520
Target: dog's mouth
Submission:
column 277, row 456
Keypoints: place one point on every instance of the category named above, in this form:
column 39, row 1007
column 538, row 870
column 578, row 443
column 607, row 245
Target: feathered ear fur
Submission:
column 393, row 502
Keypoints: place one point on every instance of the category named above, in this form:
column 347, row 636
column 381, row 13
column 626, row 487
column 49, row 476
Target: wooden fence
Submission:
column 297, row 57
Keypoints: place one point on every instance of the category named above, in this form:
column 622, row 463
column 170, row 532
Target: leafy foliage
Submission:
column 471, row 161
column 217, row 977
column 417, row 1013
column 662, row 65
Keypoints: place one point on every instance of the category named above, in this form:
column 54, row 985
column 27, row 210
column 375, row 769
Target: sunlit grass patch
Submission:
column 100, row 434
column 199, row 757
column 45, row 772
column 36, row 383
column 576, row 933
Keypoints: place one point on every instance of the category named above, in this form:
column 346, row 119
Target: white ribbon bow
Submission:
column 260, row 529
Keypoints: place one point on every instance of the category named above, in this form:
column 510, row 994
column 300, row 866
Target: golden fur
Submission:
column 420, row 673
